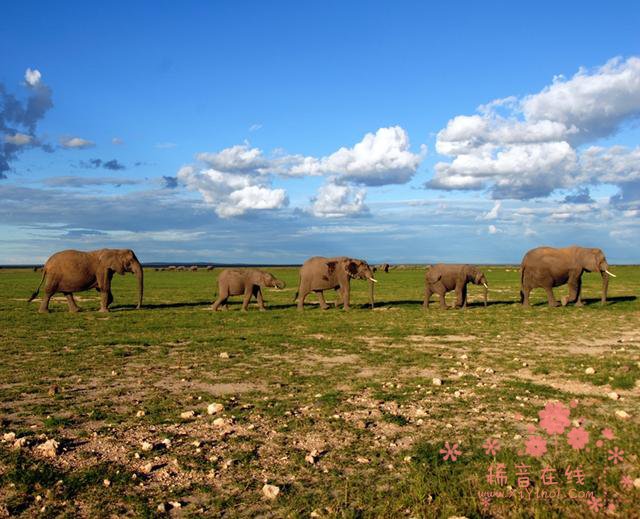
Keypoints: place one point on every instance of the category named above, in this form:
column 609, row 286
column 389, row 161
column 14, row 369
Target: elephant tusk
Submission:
column 485, row 286
column 612, row 275
column 374, row 280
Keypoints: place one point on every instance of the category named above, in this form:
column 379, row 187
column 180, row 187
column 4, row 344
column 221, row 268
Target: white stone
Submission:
column 9, row 437
column 613, row 395
column 270, row 491
column 186, row 415
column 436, row 382
column 140, row 414
column 589, row 371
column 224, row 355
column 49, row 448
column 623, row 415
column 147, row 446
column 215, row 408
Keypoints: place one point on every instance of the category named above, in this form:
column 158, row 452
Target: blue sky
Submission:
column 273, row 131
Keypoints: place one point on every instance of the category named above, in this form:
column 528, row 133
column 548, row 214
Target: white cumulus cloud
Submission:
column 380, row 158
column 336, row 201
column 18, row 139
column 76, row 143
column 32, row 76
column 528, row 147
column 232, row 194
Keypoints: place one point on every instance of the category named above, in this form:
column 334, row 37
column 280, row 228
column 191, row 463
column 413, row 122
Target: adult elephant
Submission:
column 443, row 278
column 248, row 282
column 318, row 274
column 548, row 267
column 72, row 271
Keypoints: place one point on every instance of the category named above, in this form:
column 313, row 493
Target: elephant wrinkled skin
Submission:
column 548, row 267
column 72, row 271
column 443, row 278
column 246, row 282
column 318, row 274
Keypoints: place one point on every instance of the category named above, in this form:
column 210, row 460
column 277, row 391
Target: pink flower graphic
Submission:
column 573, row 404
column 485, row 502
column 531, row 428
column 578, row 438
column 626, row 482
column 616, row 455
column 599, row 443
column 608, row 434
column 595, row 503
column 450, row 452
column 536, row 446
column 491, row 446
column 554, row 418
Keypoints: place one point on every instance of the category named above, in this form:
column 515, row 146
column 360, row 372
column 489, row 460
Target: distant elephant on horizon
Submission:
column 442, row 278
column 318, row 274
column 72, row 271
column 246, row 282
column 549, row 267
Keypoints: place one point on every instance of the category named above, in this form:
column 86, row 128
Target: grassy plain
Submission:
column 337, row 409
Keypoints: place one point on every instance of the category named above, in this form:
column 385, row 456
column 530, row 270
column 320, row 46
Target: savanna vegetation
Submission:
column 348, row 414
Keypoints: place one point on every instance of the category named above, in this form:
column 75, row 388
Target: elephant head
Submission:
column 268, row 280
column 477, row 277
column 593, row 260
column 360, row 269
column 122, row 261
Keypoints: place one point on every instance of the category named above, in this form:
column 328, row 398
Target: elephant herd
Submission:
column 73, row 271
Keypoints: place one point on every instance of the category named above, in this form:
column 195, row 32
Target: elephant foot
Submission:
column 43, row 311
column 565, row 300
column 579, row 303
column 103, row 310
column 243, row 310
column 554, row 304
column 262, row 309
column 74, row 310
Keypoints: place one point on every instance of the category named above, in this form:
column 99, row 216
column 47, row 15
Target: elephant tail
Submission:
column 35, row 294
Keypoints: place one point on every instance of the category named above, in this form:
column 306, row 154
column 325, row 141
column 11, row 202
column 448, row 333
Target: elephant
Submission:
column 443, row 278
column 548, row 267
column 247, row 282
column 318, row 274
column 72, row 271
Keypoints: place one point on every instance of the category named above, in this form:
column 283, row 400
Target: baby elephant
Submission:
column 248, row 282
column 442, row 278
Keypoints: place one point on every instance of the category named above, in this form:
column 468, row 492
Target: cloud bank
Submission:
column 528, row 147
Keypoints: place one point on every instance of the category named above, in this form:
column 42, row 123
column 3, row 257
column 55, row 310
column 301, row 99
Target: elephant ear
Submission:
column 351, row 267
column 112, row 260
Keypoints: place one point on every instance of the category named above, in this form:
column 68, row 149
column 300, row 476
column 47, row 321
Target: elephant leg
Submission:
column 248, row 292
column 323, row 303
column 574, row 283
column 346, row 294
column 73, row 307
column 44, row 305
column 338, row 298
column 221, row 300
column 524, row 294
column 441, row 294
column 550, row 297
column 302, row 294
column 109, row 298
column 257, row 292
column 461, row 295
column 427, row 295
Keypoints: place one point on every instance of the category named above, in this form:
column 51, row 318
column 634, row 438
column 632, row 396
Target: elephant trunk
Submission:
column 371, row 301
column 138, row 272
column 605, row 286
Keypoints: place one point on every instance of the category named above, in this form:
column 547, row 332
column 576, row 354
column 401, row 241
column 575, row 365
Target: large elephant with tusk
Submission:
column 72, row 271
column 318, row 274
column 548, row 267
column 443, row 278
